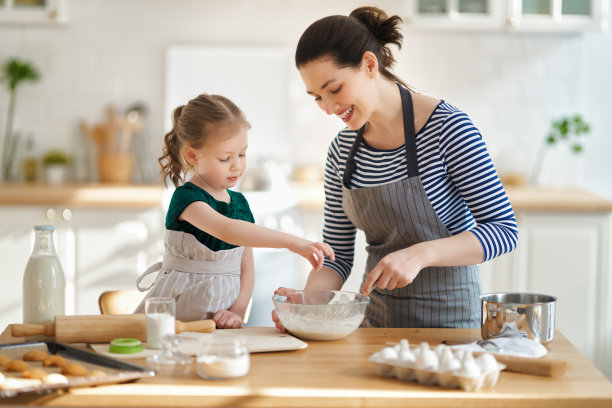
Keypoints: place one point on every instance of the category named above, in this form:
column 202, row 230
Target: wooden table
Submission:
column 337, row 373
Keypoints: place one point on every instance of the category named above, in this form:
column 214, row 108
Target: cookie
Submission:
column 74, row 369
column 97, row 373
column 36, row 373
column 35, row 355
column 4, row 360
column 17, row 366
column 55, row 361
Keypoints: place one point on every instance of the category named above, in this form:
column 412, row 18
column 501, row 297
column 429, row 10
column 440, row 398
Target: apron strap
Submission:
column 409, row 140
column 409, row 132
column 152, row 269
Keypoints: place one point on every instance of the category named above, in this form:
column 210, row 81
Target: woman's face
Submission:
column 344, row 92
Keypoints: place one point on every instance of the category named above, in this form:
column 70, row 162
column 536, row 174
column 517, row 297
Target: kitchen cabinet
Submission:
column 511, row 15
column 558, row 15
column 33, row 11
column 455, row 14
column 101, row 246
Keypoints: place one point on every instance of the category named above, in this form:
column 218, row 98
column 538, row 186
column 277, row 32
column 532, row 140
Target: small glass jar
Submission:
column 223, row 357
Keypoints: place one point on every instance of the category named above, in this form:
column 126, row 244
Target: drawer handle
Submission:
column 67, row 214
column 50, row 214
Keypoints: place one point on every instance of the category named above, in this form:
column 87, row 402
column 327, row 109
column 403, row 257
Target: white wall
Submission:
column 113, row 51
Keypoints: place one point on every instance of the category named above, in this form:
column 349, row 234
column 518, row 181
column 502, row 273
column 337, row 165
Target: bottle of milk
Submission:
column 44, row 285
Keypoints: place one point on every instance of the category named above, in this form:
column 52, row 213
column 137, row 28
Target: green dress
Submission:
column 238, row 209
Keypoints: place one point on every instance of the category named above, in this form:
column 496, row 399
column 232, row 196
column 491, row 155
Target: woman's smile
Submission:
column 346, row 114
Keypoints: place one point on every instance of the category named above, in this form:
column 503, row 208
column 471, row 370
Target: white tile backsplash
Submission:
column 113, row 51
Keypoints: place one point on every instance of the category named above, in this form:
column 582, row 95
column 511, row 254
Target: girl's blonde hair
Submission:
column 195, row 124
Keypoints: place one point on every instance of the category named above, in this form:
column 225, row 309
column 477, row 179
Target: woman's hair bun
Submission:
column 386, row 29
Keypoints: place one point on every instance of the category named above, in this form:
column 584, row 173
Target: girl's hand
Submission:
column 395, row 270
column 314, row 252
column 227, row 320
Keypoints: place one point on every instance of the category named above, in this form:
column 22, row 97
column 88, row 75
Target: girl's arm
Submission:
column 234, row 316
column 243, row 233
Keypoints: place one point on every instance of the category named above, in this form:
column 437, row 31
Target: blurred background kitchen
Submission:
column 111, row 71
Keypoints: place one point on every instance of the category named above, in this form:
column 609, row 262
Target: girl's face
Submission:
column 219, row 164
column 344, row 92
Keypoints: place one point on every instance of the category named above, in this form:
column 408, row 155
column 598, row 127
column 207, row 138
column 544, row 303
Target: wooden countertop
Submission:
column 86, row 195
column 337, row 373
column 310, row 196
column 527, row 198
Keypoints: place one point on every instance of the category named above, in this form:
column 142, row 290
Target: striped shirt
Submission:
column 458, row 177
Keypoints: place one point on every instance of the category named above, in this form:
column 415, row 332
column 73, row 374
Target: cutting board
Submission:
column 259, row 340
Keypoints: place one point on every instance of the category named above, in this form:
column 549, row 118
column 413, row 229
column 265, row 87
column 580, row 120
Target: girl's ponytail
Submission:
column 171, row 161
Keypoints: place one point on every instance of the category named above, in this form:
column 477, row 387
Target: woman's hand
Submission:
column 395, row 270
column 227, row 320
column 314, row 252
column 292, row 297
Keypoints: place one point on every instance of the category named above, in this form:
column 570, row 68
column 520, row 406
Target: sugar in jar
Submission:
column 223, row 357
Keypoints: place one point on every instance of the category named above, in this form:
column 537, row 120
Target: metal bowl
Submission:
column 321, row 314
column 511, row 313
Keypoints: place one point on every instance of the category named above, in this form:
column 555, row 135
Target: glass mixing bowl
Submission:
column 321, row 314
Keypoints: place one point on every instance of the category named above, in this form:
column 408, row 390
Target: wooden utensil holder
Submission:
column 114, row 167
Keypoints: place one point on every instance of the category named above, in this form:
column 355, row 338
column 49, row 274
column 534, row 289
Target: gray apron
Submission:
column 397, row 215
column 202, row 281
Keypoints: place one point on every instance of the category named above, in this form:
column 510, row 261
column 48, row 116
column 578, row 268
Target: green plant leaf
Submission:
column 15, row 71
column 577, row 148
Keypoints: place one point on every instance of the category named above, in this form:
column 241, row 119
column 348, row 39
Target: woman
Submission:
column 409, row 170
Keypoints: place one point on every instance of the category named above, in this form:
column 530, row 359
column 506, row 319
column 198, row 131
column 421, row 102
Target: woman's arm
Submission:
column 243, row 233
column 400, row 268
column 234, row 316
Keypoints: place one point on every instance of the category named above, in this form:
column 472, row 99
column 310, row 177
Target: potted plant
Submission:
column 566, row 129
column 55, row 164
column 14, row 72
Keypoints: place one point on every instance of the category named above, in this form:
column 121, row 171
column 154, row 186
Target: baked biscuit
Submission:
column 55, row 361
column 35, row 355
column 4, row 360
column 74, row 369
column 17, row 366
column 96, row 373
column 36, row 373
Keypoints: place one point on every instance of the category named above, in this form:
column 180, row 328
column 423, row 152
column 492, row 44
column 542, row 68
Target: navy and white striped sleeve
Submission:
column 338, row 231
column 464, row 154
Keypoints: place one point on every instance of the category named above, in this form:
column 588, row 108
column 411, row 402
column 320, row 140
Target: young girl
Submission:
column 208, row 260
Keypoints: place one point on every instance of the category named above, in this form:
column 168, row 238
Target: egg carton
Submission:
column 471, row 375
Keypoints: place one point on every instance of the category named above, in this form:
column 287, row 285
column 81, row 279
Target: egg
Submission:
column 448, row 362
column 439, row 349
column 486, row 362
column 426, row 358
column 404, row 354
column 469, row 368
column 388, row 353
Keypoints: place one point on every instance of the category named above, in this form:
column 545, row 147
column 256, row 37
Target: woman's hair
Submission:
column 196, row 124
column 346, row 39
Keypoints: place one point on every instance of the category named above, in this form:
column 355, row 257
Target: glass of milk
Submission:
column 160, row 313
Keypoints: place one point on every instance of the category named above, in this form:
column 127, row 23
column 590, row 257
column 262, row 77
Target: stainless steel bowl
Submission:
column 506, row 313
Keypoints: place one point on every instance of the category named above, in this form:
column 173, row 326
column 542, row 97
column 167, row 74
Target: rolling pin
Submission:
column 101, row 328
column 536, row 366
